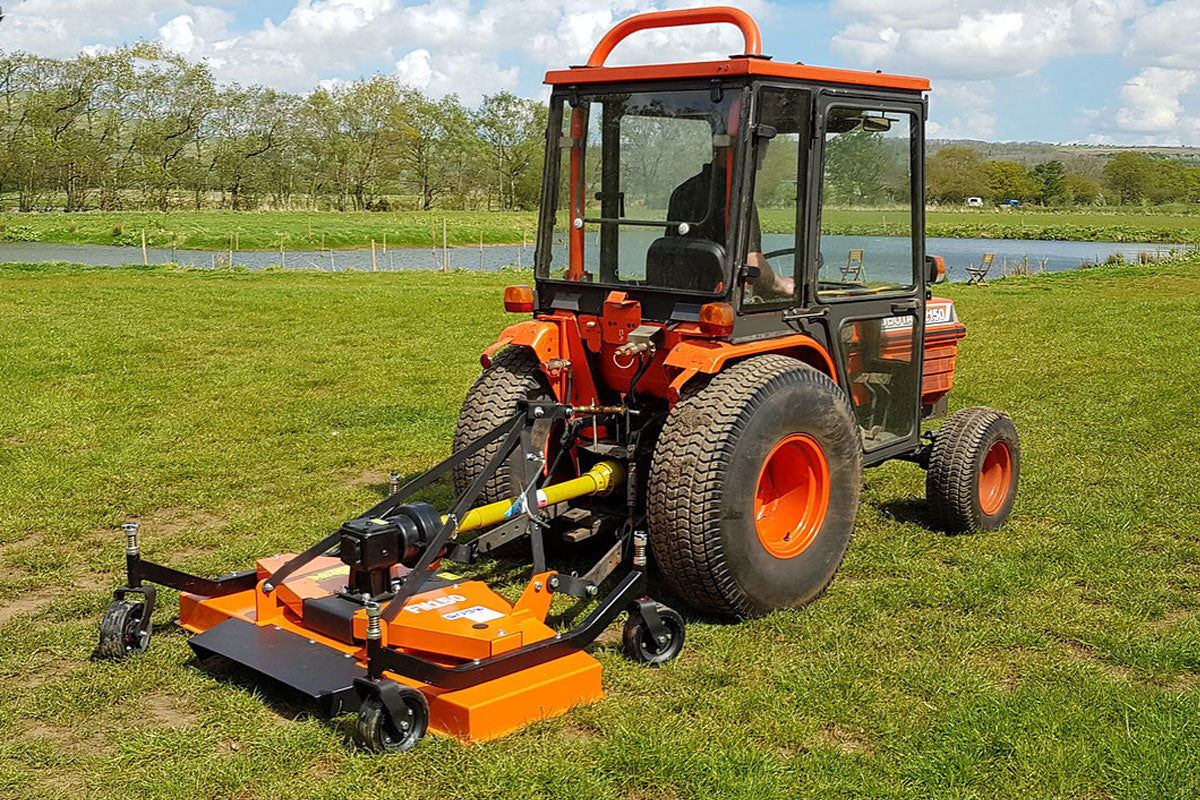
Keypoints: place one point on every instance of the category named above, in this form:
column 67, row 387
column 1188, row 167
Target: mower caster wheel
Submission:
column 380, row 732
column 120, row 631
column 639, row 644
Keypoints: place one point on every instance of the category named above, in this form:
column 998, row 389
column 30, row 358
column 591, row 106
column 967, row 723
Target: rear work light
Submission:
column 716, row 319
column 518, row 299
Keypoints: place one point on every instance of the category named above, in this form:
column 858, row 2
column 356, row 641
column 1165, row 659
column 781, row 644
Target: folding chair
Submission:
column 979, row 274
column 853, row 271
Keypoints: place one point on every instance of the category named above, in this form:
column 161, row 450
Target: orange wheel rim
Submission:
column 995, row 477
column 792, row 496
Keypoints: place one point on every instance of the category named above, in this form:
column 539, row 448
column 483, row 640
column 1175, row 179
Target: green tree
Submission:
column 513, row 129
column 1130, row 175
column 1081, row 190
column 952, row 174
column 1009, row 180
column 1049, row 178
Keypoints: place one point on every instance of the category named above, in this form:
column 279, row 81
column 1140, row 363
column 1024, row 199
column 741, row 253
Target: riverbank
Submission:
column 301, row 230
column 240, row 414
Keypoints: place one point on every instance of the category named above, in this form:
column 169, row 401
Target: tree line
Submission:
column 142, row 127
column 953, row 174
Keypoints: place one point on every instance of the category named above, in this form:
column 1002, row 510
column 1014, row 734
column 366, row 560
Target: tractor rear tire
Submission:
column 514, row 375
column 973, row 471
column 754, row 488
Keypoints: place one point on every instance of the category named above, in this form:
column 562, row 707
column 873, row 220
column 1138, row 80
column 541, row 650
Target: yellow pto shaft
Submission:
column 599, row 480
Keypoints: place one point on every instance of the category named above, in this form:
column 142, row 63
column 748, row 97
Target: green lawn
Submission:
column 239, row 415
column 300, row 230
column 261, row 230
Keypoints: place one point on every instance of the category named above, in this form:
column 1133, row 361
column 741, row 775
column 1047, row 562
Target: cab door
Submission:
column 871, row 288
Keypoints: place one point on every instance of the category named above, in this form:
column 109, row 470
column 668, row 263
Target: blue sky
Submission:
column 1119, row 71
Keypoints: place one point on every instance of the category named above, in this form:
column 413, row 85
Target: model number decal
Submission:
column 435, row 603
column 934, row 315
column 475, row 614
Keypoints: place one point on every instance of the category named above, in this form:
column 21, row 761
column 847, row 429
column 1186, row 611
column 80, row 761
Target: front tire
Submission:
column 974, row 467
column 378, row 731
column 121, row 635
column 754, row 488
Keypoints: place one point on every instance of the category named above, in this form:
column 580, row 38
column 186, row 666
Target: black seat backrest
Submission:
column 683, row 262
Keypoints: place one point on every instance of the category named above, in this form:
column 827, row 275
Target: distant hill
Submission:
column 1083, row 159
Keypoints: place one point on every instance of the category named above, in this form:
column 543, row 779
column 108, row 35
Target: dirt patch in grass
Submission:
column 1168, row 620
column 27, row 603
column 1080, row 651
column 372, row 477
column 610, row 637
column 577, row 732
column 65, row 736
column 168, row 711
column 843, row 739
column 174, row 519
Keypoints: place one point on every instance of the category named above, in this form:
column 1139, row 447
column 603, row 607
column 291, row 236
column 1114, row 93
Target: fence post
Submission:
column 145, row 258
column 445, row 249
column 373, row 264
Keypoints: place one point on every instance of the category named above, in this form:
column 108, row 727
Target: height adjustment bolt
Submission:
column 394, row 481
column 131, row 533
column 374, row 631
column 639, row 549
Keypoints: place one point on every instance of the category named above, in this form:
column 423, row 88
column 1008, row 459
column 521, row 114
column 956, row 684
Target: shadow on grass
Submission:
column 912, row 510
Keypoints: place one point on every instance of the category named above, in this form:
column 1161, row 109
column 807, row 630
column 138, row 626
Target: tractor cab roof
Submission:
column 751, row 63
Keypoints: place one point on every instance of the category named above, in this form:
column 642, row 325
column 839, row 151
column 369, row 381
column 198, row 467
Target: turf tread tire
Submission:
column 514, row 375
column 952, row 480
column 687, row 479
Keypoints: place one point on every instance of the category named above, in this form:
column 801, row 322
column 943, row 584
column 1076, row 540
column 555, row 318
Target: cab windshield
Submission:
column 640, row 195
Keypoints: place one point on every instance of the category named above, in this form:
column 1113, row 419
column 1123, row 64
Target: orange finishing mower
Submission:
column 709, row 366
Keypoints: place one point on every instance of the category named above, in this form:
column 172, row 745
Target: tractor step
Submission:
column 322, row 674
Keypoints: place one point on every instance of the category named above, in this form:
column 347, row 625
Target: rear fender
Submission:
column 556, row 342
column 699, row 356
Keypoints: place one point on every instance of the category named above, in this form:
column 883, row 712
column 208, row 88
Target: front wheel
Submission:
column 379, row 731
column 973, row 470
column 641, row 646
column 121, row 633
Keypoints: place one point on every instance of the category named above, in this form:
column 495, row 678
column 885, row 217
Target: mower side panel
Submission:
column 500, row 706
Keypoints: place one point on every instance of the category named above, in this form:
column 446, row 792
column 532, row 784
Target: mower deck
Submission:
column 451, row 622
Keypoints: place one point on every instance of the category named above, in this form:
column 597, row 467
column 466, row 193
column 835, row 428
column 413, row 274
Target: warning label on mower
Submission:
column 475, row 614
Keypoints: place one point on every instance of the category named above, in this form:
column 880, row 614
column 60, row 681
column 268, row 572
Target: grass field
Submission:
column 261, row 230
column 239, row 415
column 252, row 230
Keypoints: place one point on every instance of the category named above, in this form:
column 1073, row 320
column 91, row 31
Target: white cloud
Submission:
column 962, row 110
column 61, row 28
column 442, row 46
column 1166, row 36
column 976, row 39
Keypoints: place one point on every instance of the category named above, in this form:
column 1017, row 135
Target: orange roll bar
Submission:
column 672, row 19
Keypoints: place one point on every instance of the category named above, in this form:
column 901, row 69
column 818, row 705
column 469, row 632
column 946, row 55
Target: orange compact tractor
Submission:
column 709, row 363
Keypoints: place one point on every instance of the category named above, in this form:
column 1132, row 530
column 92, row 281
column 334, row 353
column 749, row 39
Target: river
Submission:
column 1053, row 256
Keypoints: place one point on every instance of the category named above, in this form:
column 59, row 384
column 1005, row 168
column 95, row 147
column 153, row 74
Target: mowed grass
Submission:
column 304, row 230
column 263, row 230
column 238, row 415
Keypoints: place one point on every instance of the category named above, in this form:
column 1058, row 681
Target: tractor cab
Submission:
column 709, row 194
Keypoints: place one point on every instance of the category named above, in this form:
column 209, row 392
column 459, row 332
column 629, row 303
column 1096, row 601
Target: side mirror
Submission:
column 935, row 269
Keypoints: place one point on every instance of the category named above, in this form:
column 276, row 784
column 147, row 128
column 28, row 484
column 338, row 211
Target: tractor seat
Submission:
column 690, row 264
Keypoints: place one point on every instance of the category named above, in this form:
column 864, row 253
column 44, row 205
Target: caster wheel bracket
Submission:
column 149, row 596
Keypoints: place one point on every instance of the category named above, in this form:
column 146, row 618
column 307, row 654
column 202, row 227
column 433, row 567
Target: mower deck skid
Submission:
column 450, row 622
